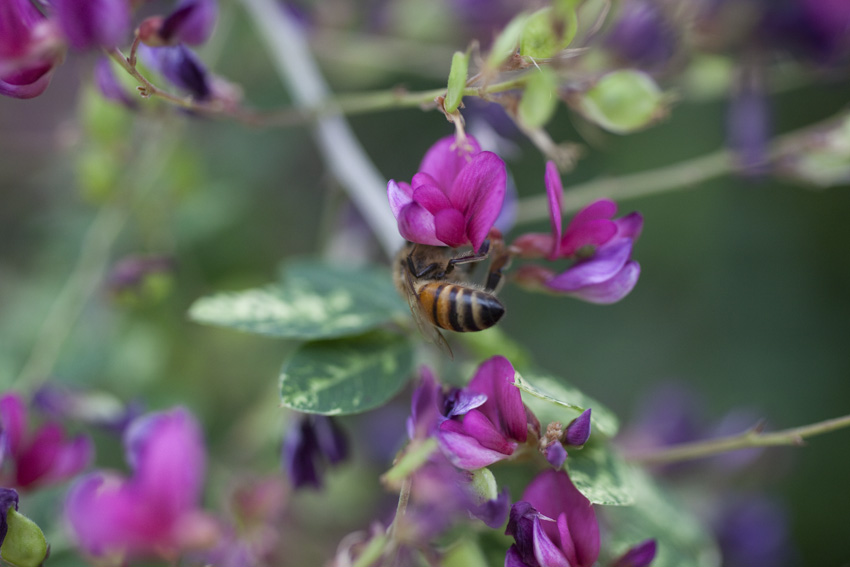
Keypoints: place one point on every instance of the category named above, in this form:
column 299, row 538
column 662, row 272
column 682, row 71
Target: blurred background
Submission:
column 743, row 297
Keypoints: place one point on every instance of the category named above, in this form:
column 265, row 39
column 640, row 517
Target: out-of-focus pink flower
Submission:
column 640, row 555
column 191, row 22
column 30, row 49
column 454, row 199
column 599, row 245
column 92, row 24
column 40, row 458
column 154, row 512
column 553, row 524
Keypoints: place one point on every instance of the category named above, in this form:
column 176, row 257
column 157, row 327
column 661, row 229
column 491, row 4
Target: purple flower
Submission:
column 310, row 441
column 43, row 457
column 29, row 49
column 749, row 123
column 180, row 66
column 155, row 511
column 191, row 22
column 578, row 431
column 109, row 85
column 91, row 24
column 752, row 531
column 95, row 408
column 600, row 247
column 8, row 498
column 553, row 525
column 454, row 199
column 482, row 433
column 555, row 454
column 642, row 35
column 641, row 555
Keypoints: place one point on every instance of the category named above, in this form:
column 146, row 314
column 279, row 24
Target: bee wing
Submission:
column 428, row 330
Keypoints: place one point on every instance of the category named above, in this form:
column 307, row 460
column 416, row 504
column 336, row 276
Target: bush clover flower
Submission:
column 553, row 525
column 39, row 458
column 30, row 49
column 310, row 441
column 599, row 245
column 155, row 511
column 640, row 555
column 454, row 199
column 92, row 24
column 576, row 434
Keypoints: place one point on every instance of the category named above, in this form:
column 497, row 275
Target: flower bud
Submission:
column 555, row 454
column 546, row 32
column 457, row 81
column 622, row 102
column 24, row 544
column 191, row 22
column 578, row 431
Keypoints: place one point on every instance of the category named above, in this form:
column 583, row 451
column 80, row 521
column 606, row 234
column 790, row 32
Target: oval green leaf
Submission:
column 345, row 376
column 602, row 475
column 552, row 399
column 314, row 301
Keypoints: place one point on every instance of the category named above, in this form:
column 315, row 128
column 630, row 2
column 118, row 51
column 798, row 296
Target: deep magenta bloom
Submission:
column 191, row 22
column 486, row 433
column 181, row 67
column 599, row 245
column 311, row 442
column 92, row 24
column 578, row 431
column 155, row 511
column 640, row 555
column 29, row 49
column 454, row 199
column 39, row 458
column 554, row 525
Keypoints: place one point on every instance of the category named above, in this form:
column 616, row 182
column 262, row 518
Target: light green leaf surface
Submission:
column 602, row 475
column 345, row 376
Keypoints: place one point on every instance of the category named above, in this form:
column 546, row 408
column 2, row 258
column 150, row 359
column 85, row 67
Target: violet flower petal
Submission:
column 556, row 455
column 461, row 400
column 445, row 159
column 603, row 266
column 424, row 407
column 8, row 498
column 13, row 418
column 27, row 83
column 595, row 232
column 330, row 438
column 629, row 226
column 433, row 199
column 479, row 191
column 640, row 555
column 449, row 227
column 476, row 426
column 400, row 195
column 494, row 512
column 92, row 24
column 466, row 452
column 109, row 85
column 578, row 432
column 180, row 66
column 514, row 559
column 495, row 379
column 610, row 291
column 191, row 22
column 601, row 209
column 416, row 224
column 554, row 194
column 546, row 551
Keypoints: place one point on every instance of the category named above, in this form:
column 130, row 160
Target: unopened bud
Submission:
column 623, row 102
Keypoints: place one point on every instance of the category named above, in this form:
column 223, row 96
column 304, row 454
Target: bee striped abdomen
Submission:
column 458, row 308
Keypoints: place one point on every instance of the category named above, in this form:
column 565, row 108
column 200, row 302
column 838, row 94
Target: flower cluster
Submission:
column 33, row 44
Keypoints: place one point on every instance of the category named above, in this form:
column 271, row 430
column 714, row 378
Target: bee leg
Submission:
column 500, row 260
column 425, row 272
column 472, row 258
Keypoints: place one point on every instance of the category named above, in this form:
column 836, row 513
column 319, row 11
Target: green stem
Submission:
column 748, row 439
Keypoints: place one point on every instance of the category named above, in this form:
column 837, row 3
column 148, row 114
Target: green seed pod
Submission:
column 484, row 485
column 547, row 32
column 457, row 81
column 25, row 545
column 506, row 42
column 540, row 98
column 622, row 101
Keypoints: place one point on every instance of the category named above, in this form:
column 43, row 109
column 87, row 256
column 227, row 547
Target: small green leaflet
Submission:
column 602, row 475
column 550, row 398
column 682, row 540
column 313, row 301
column 344, row 376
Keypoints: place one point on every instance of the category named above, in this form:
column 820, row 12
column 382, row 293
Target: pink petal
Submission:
column 601, row 209
column 417, row 225
column 449, row 228
column 495, row 379
column 72, row 458
column 34, row 461
column 28, row 84
column 466, row 453
column 430, row 197
column 591, row 233
column 606, row 264
column 545, row 550
column 444, row 160
column 614, row 289
column 534, row 245
column 565, row 539
column 400, row 195
column 554, row 193
column 479, row 191
column 629, row 226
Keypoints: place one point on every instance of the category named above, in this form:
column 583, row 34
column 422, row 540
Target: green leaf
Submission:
column 346, row 376
column 25, row 545
column 682, row 540
column 554, row 400
column 539, row 99
column 457, row 81
column 623, row 101
column 314, row 301
column 547, row 32
column 602, row 475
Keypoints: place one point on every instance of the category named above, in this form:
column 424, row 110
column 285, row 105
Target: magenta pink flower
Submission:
column 40, row 458
column 553, row 524
column 455, row 197
column 30, row 49
column 92, row 24
column 154, row 512
column 599, row 245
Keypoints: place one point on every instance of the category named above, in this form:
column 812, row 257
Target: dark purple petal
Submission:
column 446, row 158
column 299, row 453
column 494, row 512
column 629, row 226
column 417, row 225
column 556, row 455
column 546, row 551
column 109, row 85
column 460, row 401
column 578, row 432
column 400, row 195
column 424, row 407
column 521, row 527
column 191, row 22
column 479, row 191
column 554, row 194
column 8, row 498
column 642, row 36
column 330, row 438
column 749, row 125
column 449, row 226
column 602, row 267
column 91, row 24
column 641, row 555
column 495, row 379
column 514, row 559
column 610, row 291
column 181, row 67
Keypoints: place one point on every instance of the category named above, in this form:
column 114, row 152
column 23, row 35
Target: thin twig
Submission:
column 753, row 437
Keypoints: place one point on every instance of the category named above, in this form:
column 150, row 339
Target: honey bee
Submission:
column 438, row 298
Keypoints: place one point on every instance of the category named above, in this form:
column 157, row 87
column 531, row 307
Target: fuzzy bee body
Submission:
column 456, row 307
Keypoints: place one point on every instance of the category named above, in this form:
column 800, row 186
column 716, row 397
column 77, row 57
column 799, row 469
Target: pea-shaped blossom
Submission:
column 455, row 197
column 599, row 245
column 93, row 24
column 154, row 512
column 312, row 441
column 30, row 49
column 34, row 459
column 554, row 525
